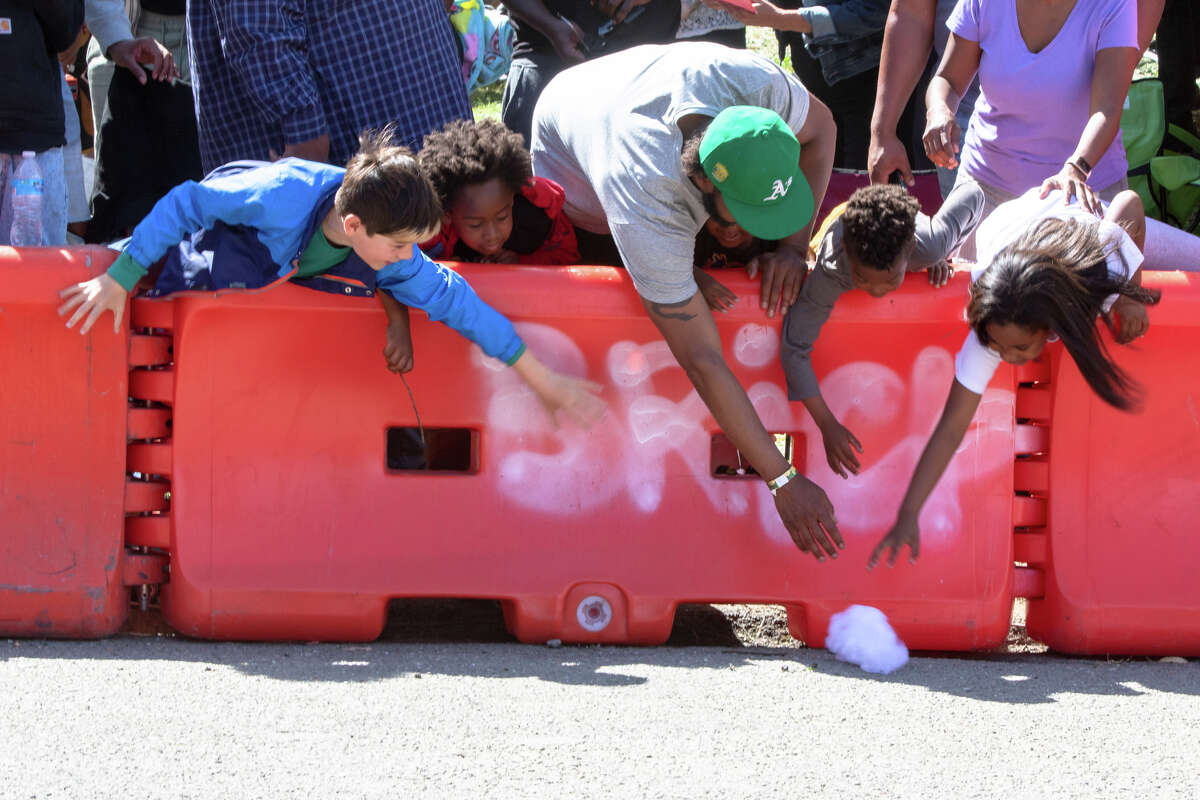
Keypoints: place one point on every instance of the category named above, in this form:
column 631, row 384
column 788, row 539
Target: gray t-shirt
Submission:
column 606, row 131
column 935, row 239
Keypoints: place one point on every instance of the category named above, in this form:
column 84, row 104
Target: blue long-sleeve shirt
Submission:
column 278, row 202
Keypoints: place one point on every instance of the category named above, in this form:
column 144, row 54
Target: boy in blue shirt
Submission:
column 241, row 228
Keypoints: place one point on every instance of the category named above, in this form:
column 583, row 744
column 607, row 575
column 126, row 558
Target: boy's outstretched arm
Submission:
column 801, row 328
column 446, row 297
column 840, row 443
column 937, row 237
column 398, row 352
column 577, row 398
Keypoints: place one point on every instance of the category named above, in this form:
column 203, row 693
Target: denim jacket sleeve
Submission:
column 835, row 22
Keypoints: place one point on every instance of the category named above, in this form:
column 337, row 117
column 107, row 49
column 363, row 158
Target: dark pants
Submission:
column 527, row 77
column 1179, row 60
column 851, row 101
column 597, row 249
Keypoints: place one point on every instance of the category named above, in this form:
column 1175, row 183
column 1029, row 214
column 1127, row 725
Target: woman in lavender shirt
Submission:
column 1053, row 76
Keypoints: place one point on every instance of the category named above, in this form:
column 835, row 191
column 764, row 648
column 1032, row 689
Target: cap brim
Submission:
column 780, row 219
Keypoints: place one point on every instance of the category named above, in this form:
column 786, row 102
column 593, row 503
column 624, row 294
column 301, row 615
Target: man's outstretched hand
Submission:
column 783, row 273
column 808, row 515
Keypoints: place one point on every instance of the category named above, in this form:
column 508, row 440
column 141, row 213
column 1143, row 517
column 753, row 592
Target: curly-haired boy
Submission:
column 495, row 209
column 878, row 237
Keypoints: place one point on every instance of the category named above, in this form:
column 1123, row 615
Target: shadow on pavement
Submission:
column 996, row 678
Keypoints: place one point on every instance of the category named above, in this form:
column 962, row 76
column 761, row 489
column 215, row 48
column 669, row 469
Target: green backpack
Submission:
column 1164, row 161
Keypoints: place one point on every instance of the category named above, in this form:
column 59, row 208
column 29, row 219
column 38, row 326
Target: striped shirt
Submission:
column 270, row 72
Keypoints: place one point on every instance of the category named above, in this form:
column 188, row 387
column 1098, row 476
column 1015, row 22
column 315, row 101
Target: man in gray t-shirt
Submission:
column 648, row 144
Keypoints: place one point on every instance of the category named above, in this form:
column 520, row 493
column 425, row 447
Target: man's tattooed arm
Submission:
column 668, row 310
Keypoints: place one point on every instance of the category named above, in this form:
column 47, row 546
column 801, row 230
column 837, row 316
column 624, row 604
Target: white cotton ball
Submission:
column 862, row 636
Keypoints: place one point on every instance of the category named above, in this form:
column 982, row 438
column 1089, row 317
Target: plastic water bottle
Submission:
column 27, row 203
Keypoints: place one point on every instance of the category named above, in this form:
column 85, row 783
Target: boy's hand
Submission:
column 503, row 256
column 840, row 445
column 557, row 392
column 940, row 274
column 579, row 399
column 904, row 532
column 398, row 352
column 718, row 296
column 94, row 297
column 1132, row 320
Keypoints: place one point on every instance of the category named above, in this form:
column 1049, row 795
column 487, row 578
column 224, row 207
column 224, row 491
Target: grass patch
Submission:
column 485, row 101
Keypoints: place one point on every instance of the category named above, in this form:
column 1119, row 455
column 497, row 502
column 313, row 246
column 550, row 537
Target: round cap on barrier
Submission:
column 594, row 613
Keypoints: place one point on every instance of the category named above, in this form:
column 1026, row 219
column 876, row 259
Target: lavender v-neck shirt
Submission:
column 1033, row 107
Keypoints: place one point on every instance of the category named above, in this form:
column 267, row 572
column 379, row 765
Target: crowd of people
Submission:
column 635, row 134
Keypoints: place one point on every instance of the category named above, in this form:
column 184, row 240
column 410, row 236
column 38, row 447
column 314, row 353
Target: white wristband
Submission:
column 782, row 480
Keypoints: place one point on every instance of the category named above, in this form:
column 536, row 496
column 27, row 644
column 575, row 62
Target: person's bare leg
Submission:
column 1127, row 211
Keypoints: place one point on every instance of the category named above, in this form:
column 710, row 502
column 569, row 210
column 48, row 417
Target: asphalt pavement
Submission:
column 173, row 718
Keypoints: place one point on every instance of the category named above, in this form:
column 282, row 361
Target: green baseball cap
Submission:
column 753, row 158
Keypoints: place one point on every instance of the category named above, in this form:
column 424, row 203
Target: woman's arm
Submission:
column 1110, row 85
column 849, row 19
column 947, row 436
column 942, row 137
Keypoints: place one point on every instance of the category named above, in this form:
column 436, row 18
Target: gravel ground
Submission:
column 164, row 717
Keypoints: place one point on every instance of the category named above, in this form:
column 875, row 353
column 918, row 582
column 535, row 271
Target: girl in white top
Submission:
column 1046, row 271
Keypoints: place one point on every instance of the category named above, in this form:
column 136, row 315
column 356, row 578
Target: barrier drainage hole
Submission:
column 726, row 462
column 444, row 450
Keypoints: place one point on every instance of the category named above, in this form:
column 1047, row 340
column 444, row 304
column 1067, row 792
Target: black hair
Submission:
column 1055, row 276
column 878, row 224
column 689, row 158
column 385, row 188
column 466, row 153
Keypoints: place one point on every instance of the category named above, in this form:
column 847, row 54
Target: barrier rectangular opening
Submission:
column 725, row 461
column 432, row 450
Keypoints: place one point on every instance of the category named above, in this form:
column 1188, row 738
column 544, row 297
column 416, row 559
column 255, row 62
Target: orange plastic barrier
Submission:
column 62, row 454
column 286, row 521
column 1119, row 542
